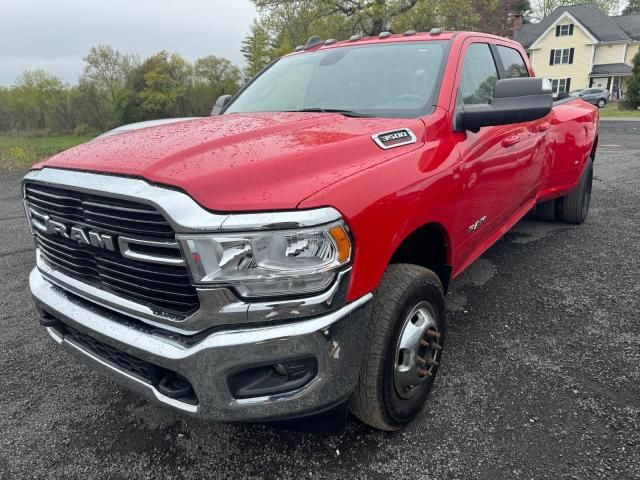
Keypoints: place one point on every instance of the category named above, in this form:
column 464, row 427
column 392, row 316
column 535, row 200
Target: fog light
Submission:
column 280, row 369
column 272, row 379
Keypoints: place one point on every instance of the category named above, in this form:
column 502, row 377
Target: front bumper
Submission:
column 335, row 340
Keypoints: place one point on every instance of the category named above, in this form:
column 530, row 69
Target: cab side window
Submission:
column 512, row 62
column 479, row 75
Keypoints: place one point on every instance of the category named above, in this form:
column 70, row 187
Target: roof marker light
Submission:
column 435, row 31
column 313, row 42
column 408, row 33
column 384, row 34
column 330, row 41
column 355, row 38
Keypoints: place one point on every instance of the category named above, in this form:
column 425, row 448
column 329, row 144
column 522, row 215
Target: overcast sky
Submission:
column 56, row 34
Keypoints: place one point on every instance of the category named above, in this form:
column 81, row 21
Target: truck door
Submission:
column 498, row 170
column 533, row 147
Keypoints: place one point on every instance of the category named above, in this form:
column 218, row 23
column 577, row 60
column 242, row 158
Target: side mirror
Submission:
column 221, row 102
column 515, row 100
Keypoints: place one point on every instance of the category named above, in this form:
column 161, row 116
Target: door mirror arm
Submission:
column 221, row 102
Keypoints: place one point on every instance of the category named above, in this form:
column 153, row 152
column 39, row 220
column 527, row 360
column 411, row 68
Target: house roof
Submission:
column 630, row 24
column 601, row 26
column 611, row 69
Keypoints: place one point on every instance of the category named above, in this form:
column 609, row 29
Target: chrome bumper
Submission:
column 336, row 340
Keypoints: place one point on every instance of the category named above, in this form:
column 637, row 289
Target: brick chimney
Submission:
column 515, row 23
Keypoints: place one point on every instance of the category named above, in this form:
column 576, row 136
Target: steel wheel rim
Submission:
column 417, row 350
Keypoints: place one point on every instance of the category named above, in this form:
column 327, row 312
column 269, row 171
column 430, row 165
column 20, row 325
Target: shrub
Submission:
column 633, row 87
column 82, row 129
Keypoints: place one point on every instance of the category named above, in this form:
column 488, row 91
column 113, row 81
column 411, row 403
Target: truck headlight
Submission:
column 269, row 263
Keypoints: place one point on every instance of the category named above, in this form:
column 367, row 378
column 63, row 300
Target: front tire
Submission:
column 405, row 337
column 601, row 103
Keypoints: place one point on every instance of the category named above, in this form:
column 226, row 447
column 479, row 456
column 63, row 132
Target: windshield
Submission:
column 382, row 80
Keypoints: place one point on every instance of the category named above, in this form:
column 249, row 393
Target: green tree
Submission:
column 212, row 77
column 116, row 88
column 217, row 71
column 91, row 106
column 632, row 8
column 104, row 79
column 5, row 111
column 155, row 89
column 256, row 48
column 422, row 18
column 369, row 17
column 633, row 86
column 108, row 69
column 285, row 23
column 41, row 101
column 372, row 17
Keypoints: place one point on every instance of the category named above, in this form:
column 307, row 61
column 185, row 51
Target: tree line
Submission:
column 283, row 24
column 114, row 89
column 117, row 88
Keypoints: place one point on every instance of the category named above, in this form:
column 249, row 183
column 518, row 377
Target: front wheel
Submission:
column 405, row 337
column 601, row 103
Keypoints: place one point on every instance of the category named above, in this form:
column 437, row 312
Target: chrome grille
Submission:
column 165, row 288
column 106, row 214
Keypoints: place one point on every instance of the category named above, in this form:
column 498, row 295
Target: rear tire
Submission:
column 405, row 336
column 547, row 211
column 574, row 207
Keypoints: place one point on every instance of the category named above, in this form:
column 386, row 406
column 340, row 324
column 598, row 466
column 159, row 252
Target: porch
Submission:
column 612, row 77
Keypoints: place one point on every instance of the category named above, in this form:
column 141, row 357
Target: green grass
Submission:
column 612, row 110
column 21, row 151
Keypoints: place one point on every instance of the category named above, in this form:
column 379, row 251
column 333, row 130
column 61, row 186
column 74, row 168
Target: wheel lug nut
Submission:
column 433, row 334
column 424, row 343
column 435, row 346
column 431, row 361
column 421, row 360
column 423, row 372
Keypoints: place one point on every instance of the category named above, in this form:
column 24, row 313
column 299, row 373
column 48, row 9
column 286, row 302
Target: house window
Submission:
column 564, row 30
column 561, row 56
column 560, row 85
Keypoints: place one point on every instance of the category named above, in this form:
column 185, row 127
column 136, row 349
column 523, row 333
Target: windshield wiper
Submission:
column 346, row 113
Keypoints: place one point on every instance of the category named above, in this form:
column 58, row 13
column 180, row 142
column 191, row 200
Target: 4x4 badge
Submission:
column 394, row 138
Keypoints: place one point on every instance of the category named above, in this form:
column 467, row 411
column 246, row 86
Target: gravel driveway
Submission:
column 541, row 377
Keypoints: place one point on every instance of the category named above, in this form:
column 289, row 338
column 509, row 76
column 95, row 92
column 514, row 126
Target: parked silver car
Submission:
column 595, row 96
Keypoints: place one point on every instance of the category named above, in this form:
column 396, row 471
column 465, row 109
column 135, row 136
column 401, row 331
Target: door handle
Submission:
column 510, row 140
column 543, row 127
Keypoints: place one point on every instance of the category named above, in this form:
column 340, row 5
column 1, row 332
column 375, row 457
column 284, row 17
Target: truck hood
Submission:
column 243, row 162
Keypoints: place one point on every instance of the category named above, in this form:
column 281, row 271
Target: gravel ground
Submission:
column 541, row 377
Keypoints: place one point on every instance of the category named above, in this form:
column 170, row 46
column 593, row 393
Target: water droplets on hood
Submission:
column 241, row 161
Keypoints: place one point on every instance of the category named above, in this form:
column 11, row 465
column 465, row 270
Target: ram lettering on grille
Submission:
column 76, row 233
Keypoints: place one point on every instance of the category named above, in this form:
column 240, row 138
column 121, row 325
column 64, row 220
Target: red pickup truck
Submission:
column 291, row 253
